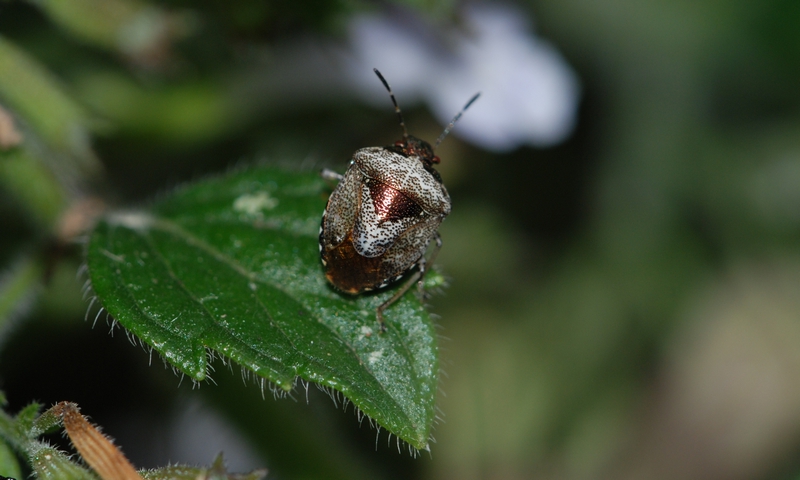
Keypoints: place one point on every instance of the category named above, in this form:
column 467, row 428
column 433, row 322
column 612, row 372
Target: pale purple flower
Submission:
column 529, row 95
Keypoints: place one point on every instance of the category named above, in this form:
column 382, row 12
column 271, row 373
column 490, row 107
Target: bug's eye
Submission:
column 399, row 143
column 435, row 159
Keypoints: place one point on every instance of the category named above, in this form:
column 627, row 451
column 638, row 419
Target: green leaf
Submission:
column 18, row 287
column 232, row 265
column 52, row 464
column 33, row 185
column 131, row 27
column 32, row 91
column 217, row 471
column 48, row 463
column 21, row 432
column 18, row 431
column 9, row 466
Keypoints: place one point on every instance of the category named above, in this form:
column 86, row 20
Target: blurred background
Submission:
column 623, row 252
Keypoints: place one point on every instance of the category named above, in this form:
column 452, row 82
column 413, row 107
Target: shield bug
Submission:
column 384, row 213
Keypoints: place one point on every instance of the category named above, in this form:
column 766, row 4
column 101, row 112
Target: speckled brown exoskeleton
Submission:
column 383, row 214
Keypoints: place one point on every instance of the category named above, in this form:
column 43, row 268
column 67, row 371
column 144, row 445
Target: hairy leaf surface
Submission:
column 232, row 265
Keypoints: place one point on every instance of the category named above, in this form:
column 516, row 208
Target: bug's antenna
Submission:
column 396, row 108
column 454, row 120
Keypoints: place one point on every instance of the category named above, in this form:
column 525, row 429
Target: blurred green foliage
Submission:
column 620, row 306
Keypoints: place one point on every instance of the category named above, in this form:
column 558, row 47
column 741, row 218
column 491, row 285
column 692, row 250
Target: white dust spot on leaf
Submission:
column 254, row 203
column 132, row 220
column 374, row 356
column 365, row 331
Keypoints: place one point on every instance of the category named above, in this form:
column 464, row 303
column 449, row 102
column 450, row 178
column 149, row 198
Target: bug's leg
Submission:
column 388, row 303
column 423, row 263
column 417, row 278
column 330, row 175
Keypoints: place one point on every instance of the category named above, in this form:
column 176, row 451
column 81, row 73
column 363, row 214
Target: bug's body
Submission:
column 380, row 219
column 383, row 214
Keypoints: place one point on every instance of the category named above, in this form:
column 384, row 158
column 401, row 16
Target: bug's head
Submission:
column 413, row 146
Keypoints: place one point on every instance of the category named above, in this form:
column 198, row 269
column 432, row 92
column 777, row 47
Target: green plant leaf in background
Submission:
column 231, row 265
column 29, row 89
column 21, row 433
